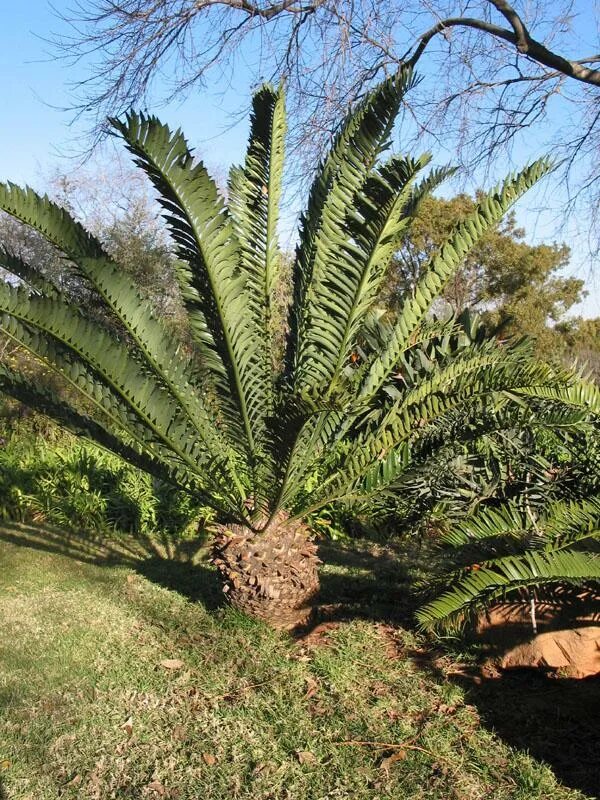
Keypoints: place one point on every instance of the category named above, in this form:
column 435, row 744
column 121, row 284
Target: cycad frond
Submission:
column 495, row 580
column 328, row 269
column 144, row 396
column 254, row 198
column 444, row 264
column 376, row 229
column 552, row 552
column 213, row 286
column 28, row 273
column 140, row 454
column 378, row 456
column 156, row 348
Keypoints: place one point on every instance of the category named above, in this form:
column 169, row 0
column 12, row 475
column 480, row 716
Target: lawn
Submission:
column 122, row 676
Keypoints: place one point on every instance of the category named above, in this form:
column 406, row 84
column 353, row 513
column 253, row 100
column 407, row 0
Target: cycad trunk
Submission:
column 273, row 574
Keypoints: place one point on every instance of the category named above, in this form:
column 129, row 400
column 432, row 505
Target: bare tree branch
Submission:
column 520, row 37
column 492, row 71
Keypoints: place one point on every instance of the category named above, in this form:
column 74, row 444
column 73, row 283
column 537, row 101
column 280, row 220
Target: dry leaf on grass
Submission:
column 306, row 757
column 158, row 788
column 180, row 733
column 446, row 709
column 171, row 663
column 127, row 726
column 209, row 759
column 389, row 761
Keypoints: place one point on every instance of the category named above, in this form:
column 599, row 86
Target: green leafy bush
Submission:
column 61, row 480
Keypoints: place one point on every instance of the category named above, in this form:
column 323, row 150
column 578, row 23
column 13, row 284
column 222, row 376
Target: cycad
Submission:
column 510, row 550
column 242, row 430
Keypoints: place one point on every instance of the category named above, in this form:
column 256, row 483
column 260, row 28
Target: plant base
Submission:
column 272, row 575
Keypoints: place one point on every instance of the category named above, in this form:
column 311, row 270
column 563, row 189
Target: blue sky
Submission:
column 37, row 135
column 35, row 88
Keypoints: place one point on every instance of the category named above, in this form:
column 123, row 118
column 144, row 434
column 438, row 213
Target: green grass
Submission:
column 89, row 710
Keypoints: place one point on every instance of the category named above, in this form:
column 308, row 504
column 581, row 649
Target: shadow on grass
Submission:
column 366, row 581
column 174, row 566
column 3, row 795
column 553, row 719
column 358, row 581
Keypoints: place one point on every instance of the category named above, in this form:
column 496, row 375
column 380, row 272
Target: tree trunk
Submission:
column 272, row 574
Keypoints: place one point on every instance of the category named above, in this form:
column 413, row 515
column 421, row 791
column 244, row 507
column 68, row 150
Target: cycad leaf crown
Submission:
column 250, row 433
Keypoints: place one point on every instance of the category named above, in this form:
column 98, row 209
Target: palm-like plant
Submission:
column 509, row 551
column 243, row 432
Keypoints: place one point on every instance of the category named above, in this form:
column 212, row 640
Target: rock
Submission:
column 575, row 652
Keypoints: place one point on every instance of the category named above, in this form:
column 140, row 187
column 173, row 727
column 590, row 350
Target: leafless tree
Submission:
column 493, row 75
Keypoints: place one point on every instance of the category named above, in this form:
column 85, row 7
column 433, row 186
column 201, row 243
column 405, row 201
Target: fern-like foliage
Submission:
column 509, row 549
column 250, row 433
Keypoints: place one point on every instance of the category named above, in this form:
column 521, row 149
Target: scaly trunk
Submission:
column 272, row 574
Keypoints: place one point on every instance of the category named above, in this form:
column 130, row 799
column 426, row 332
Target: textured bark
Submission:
column 272, row 575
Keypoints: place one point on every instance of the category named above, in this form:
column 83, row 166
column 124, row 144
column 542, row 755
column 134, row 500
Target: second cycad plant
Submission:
column 263, row 440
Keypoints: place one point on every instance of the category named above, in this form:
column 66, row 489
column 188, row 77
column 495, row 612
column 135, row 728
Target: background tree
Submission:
column 509, row 282
column 112, row 200
column 491, row 70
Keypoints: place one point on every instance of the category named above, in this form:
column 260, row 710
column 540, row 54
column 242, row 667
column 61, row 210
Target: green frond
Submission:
column 253, row 201
column 553, row 545
column 254, row 197
column 426, row 186
column 376, row 229
column 326, row 255
column 374, row 456
column 497, row 579
column 567, row 521
column 212, row 283
column 509, row 520
column 46, row 402
column 111, row 362
column 158, row 350
column 561, row 523
column 579, row 393
column 443, row 265
column 28, row 273
column 88, row 387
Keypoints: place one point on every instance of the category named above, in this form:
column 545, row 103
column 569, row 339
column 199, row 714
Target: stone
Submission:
column 574, row 652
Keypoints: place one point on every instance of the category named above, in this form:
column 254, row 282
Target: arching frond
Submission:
column 481, row 380
column 581, row 393
column 443, row 265
column 46, row 402
column 326, row 257
column 495, row 580
column 212, row 282
column 553, row 552
column 28, row 273
column 96, row 349
column 156, row 347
